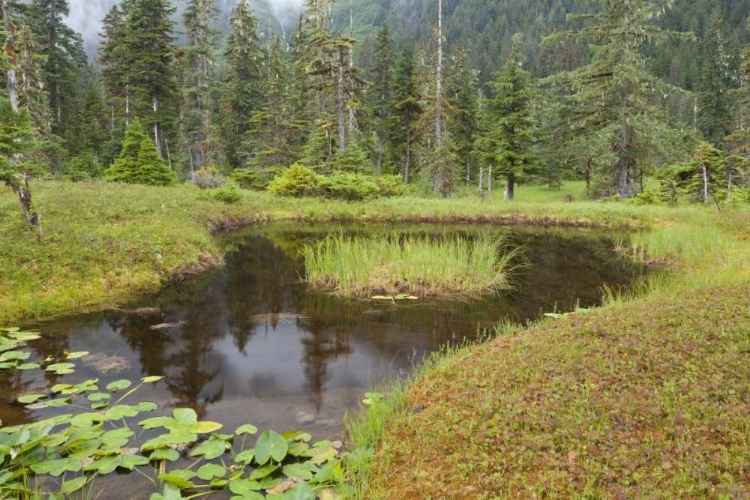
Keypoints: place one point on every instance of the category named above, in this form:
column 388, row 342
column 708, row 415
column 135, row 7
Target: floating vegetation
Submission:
column 398, row 268
column 182, row 457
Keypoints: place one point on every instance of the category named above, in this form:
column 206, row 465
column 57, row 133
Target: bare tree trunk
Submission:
column 10, row 73
column 729, row 182
column 157, row 131
column 169, row 156
column 351, row 70
column 510, row 189
column 380, row 155
column 407, row 160
column 622, row 161
column 342, row 121
column 705, row 182
column 127, row 104
column 439, row 93
column 481, row 178
column 489, row 184
column 468, row 170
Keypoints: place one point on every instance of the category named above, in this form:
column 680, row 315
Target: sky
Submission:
column 86, row 15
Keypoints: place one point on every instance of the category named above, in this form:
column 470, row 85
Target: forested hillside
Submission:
column 361, row 96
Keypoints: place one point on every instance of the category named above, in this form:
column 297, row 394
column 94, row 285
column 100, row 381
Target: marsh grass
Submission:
column 409, row 264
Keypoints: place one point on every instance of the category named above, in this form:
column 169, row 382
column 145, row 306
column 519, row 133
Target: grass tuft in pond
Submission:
column 419, row 265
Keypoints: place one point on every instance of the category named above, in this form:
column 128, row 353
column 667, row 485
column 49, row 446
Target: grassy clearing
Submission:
column 648, row 400
column 417, row 265
column 104, row 243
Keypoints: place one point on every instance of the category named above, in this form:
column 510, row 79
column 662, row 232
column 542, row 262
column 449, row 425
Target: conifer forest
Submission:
column 437, row 93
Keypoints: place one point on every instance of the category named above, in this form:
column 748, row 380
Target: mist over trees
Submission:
column 430, row 92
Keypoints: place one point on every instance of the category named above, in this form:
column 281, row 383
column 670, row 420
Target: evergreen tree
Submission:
column 319, row 61
column 113, row 60
column 278, row 128
column 380, row 95
column 509, row 133
column 406, row 110
column 714, row 113
column 243, row 84
column 16, row 139
column 62, row 63
column 615, row 96
column 737, row 144
column 93, row 131
column 137, row 55
column 139, row 161
column 463, row 96
column 197, row 65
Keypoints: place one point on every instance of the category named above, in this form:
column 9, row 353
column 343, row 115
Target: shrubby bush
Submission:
column 349, row 187
column 256, row 179
column 300, row 181
column 392, row 185
column 82, row 168
column 209, row 178
column 655, row 196
column 229, row 194
column 296, row 181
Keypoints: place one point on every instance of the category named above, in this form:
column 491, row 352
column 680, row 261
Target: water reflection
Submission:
column 252, row 344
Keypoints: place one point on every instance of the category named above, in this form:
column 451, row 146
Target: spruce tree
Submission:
column 279, row 126
column 509, row 133
column 137, row 56
column 63, row 62
column 139, row 161
column 737, row 143
column 615, row 97
column 113, row 60
column 16, row 169
column 380, row 95
column 463, row 96
column 197, row 68
column 405, row 111
column 243, row 83
column 714, row 114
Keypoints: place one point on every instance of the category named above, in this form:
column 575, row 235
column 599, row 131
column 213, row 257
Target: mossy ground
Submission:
column 650, row 399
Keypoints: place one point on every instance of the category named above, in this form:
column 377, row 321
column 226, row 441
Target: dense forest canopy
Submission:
column 436, row 93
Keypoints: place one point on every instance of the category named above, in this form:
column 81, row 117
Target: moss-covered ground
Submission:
column 650, row 399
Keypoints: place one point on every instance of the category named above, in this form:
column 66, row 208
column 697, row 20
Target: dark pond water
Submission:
column 253, row 344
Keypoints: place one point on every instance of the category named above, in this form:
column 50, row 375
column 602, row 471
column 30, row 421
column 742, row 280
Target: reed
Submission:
column 410, row 264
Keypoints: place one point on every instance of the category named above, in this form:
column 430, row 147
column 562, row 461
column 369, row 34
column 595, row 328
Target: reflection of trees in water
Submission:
column 322, row 346
column 261, row 285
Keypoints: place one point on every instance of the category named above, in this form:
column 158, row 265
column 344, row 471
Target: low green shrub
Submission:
column 392, row 185
column 296, row 181
column 82, row 168
column 229, row 194
column 256, row 179
column 349, row 187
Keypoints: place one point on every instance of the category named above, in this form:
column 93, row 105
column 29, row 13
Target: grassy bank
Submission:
column 645, row 400
column 360, row 267
column 104, row 243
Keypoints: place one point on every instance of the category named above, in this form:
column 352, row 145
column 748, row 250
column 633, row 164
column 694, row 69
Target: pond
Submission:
column 251, row 343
